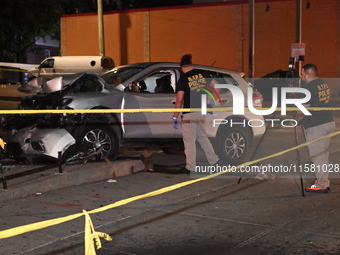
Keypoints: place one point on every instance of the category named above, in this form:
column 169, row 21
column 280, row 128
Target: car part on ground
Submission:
column 82, row 157
column 46, row 142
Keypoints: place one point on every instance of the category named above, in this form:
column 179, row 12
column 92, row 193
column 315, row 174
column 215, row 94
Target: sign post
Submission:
column 298, row 51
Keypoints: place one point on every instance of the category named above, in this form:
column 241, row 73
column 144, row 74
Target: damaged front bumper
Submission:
column 35, row 142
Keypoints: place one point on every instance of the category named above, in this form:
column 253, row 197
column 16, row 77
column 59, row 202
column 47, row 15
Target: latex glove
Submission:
column 174, row 122
column 211, row 104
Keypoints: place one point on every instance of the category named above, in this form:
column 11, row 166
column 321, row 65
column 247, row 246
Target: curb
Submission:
column 72, row 175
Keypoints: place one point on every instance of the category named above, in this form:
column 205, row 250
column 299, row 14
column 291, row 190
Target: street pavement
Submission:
column 71, row 175
column 216, row 216
column 259, row 215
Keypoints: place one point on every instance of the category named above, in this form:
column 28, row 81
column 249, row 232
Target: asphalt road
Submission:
column 216, row 216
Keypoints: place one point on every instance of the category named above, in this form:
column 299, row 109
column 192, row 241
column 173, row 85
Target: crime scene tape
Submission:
column 92, row 238
column 13, row 70
column 217, row 109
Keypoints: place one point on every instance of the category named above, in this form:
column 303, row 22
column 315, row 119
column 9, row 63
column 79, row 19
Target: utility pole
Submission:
column 101, row 27
column 251, row 37
column 298, row 36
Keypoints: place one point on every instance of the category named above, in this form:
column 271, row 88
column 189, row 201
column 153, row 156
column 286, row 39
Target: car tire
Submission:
column 233, row 145
column 101, row 136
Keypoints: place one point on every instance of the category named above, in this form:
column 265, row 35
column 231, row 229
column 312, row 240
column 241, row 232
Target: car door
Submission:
column 47, row 68
column 217, row 98
column 157, row 124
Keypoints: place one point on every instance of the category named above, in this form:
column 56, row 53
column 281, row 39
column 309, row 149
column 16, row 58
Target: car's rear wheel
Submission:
column 233, row 145
column 103, row 138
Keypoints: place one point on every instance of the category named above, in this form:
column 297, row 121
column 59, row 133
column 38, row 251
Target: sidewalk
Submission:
column 72, row 175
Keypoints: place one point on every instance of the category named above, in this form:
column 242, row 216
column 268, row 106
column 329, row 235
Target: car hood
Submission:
column 44, row 85
column 53, row 91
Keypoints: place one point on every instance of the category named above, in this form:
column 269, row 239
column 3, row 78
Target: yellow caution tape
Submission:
column 13, row 70
column 2, row 143
column 92, row 238
column 226, row 109
column 43, row 224
column 38, row 225
column 182, row 184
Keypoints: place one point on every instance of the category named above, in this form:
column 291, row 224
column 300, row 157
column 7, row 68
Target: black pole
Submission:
column 60, row 162
column 251, row 38
column 258, row 146
column 299, row 160
column 298, row 33
column 298, row 71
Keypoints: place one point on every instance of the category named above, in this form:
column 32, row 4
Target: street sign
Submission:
column 298, row 50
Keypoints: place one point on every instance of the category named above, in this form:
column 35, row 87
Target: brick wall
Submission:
column 214, row 34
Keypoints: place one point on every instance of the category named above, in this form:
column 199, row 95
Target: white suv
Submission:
column 135, row 86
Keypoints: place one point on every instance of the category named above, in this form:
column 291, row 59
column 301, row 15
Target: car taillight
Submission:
column 257, row 99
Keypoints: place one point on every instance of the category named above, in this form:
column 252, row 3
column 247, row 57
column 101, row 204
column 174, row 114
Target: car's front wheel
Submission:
column 233, row 145
column 102, row 139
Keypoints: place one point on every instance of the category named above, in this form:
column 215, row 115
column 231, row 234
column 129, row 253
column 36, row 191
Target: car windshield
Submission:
column 120, row 74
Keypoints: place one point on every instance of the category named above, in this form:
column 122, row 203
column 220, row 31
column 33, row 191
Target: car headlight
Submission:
column 66, row 101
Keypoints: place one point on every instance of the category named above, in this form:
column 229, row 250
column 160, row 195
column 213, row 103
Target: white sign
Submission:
column 298, row 49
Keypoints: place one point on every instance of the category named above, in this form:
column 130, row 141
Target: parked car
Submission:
column 60, row 65
column 126, row 87
column 277, row 79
